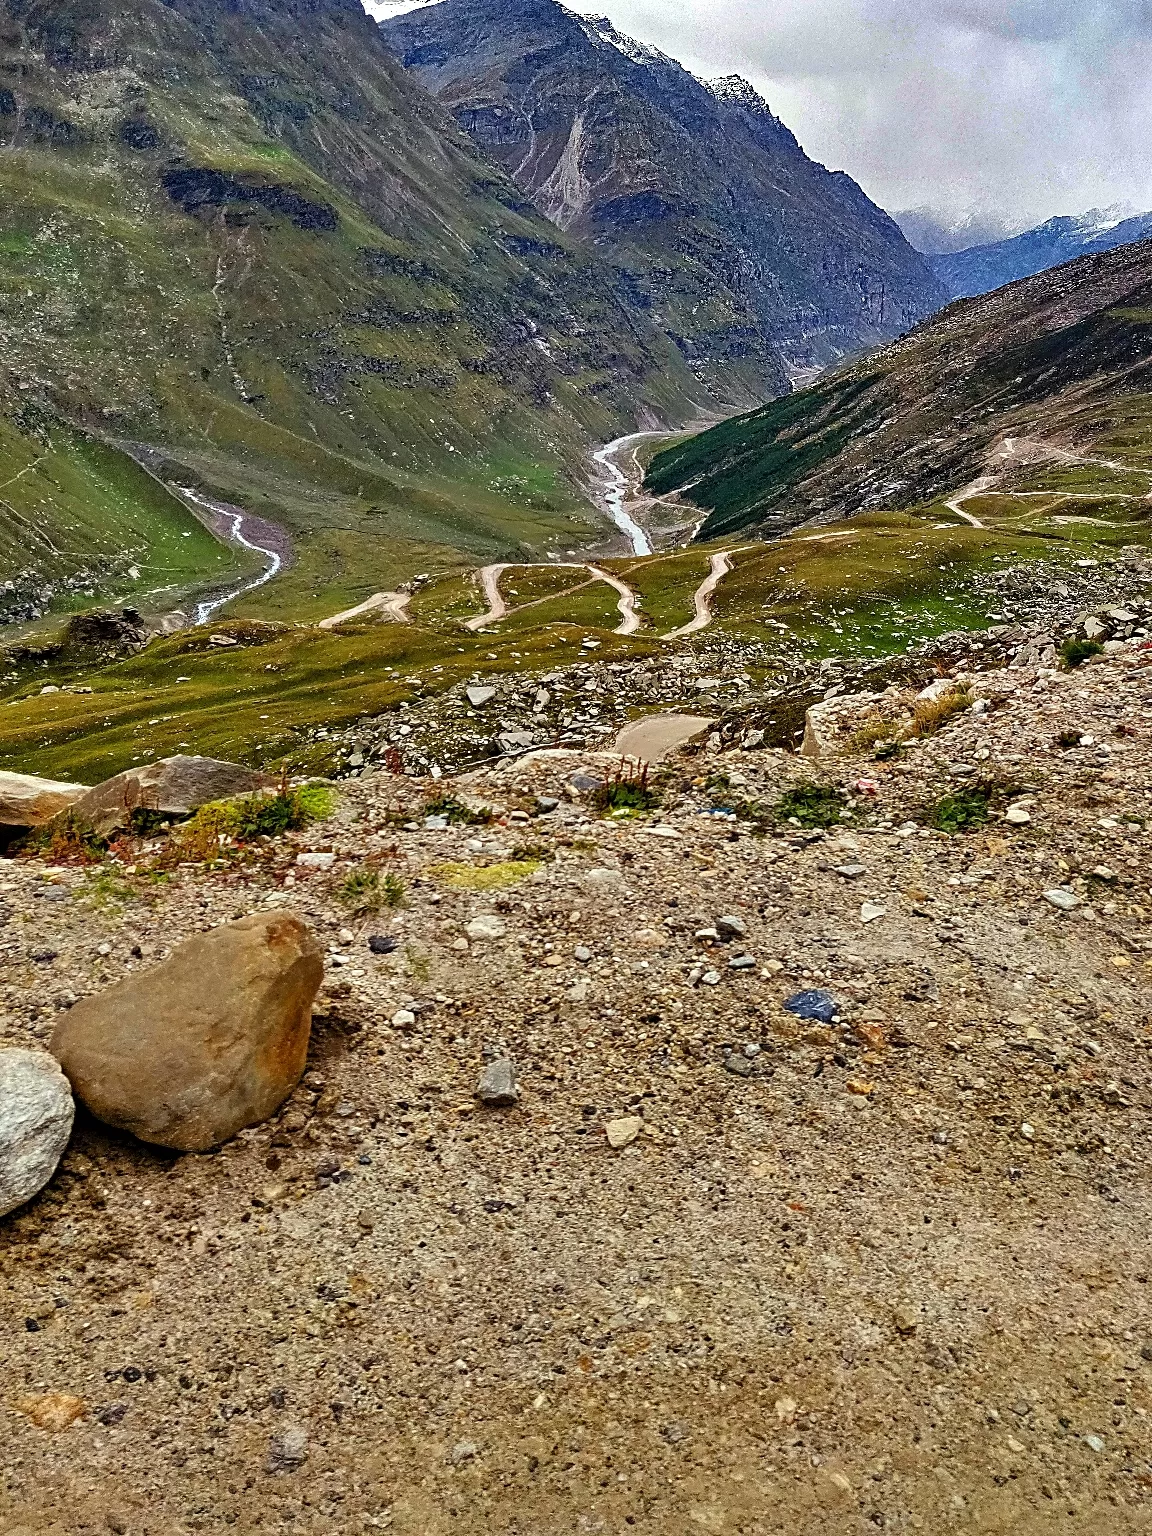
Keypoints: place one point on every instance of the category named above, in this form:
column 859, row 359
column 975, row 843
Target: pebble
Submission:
column 742, row 963
column 315, row 860
column 711, row 978
column 487, row 926
column 1063, row 901
column 850, row 871
column 582, row 953
column 1094, row 1442
column 478, row 697
column 382, row 944
column 1017, row 816
column 497, row 1087
column 731, row 928
column 462, row 1451
column 818, row 1006
column 738, row 1064
column 404, row 1018
column 871, row 912
column 622, row 1133
column 288, row 1450
column 546, row 804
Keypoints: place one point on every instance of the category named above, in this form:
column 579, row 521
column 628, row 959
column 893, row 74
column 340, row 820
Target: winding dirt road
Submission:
column 498, row 609
column 721, row 565
column 393, row 604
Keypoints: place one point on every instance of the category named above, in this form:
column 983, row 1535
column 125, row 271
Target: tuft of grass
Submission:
column 67, row 839
column 931, row 715
column 1074, row 653
column 214, row 826
column 457, row 813
column 361, row 892
column 872, row 733
column 487, row 877
column 627, row 793
column 812, row 805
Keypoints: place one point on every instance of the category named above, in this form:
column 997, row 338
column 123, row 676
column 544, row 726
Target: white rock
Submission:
column 478, row 697
column 871, row 912
column 1017, row 816
column 315, row 860
column 622, row 1133
column 36, row 1112
column 404, row 1018
column 1063, row 901
column 486, row 926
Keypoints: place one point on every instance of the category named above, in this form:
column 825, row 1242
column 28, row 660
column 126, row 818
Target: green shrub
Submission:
column 964, row 811
column 1074, row 653
column 812, row 805
column 627, row 792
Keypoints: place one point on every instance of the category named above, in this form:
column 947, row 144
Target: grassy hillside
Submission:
column 245, row 239
column 1060, row 367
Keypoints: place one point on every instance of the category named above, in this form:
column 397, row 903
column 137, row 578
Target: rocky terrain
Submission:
column 759, row 264
column 762, row 1145
column 1004, row 393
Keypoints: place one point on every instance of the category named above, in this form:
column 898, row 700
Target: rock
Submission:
column 26, row 801
column 1017, row 816
column 52, row 1411
column 582, row 953
column 742, row 963
column 210, row 1041
column 622, row 1133
column 738, row 1064
column 315, row 860
column 36, row 1112
column 1063, row 901
column 403, row 1018
column 731, row 928
column 830, row 725
column 850, row 871
column 1095, row 629
column 872, row 912
column 462, row 1451
column 498, row 1087
column 546, row 804
column 478, row 697
column 173, row 786
column 515, row 741
column 288, row 1450
column 383, row 944
column 486, row 926
column 818, row 1006
column 753, row 741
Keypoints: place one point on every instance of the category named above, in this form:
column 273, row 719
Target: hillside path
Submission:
column 394, row 605
column 721, row 565
column 498, row 609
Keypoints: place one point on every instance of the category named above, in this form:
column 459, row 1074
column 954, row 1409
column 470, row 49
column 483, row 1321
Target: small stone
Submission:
column 1102, row 872
column 478, row 697
column 819, row 1006
column 346, row 936
column 1094, row 1443
column 383, row 944
column 731, row 928
column 742, row 963
column 850, row 871
column 403, row 1018
column 498, row 1088
column 622, row 1133
column 462, row 1451
column 1028, row 1131
column 288, row 1450
column 487, row 926
column 52, row 1411
column 1062, row 900
column 738, row 1064
column 582, row 953
column 871, row 912
column 315, row 860
column 906, row 1324
column 711, row 978
column 546, row 804
column 1017, row 816
column 36, row 1113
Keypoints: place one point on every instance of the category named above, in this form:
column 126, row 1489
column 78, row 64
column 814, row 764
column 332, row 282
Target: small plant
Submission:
column 931, row 715
column 485, row 877
column 288, row 810
column 873, row 733
column 419, row 964
column 627, row 792
column 393, row 891
column 1074, row 653
column 67, row 840
column 456, row 813
column 361, row 892
column 812, row 805
column 962, row 812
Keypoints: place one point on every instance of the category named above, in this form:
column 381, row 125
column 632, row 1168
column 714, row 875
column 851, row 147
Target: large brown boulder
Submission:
column 26, row 801
column 173, row 786
column 210, row 1041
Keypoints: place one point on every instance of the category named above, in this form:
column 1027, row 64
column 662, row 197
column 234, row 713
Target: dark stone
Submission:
column 818, row 1006
column 197, row 190
column 380, row 944
column 138, row 133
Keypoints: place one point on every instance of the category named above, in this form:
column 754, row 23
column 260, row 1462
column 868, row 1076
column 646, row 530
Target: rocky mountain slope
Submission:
column 757, row 262
column 981, row 268
column 242, row 246
column 1039, row 388
column 826, row 1160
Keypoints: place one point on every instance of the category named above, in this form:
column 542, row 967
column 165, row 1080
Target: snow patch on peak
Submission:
column 599, row 29
column 1098, row 221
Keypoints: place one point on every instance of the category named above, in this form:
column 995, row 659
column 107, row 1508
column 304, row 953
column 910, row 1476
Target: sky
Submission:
column 1024, row 108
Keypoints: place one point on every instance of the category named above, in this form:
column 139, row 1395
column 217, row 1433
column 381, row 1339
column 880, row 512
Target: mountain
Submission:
column 242, row 250
column 756, row 262
column 938, row 232
column 1064, row 357
column 982, row 268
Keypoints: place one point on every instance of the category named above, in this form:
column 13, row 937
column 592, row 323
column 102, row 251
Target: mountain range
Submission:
column 1064, row 358
column 981, row 268
column 759, row 264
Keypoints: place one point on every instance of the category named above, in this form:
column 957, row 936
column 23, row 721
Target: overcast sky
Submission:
column 1030, row 107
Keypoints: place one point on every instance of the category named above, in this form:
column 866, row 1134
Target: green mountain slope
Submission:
column 243, row 238
column 1044, row 387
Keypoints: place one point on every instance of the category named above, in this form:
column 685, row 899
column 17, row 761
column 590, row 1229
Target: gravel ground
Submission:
column 890, row 1273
